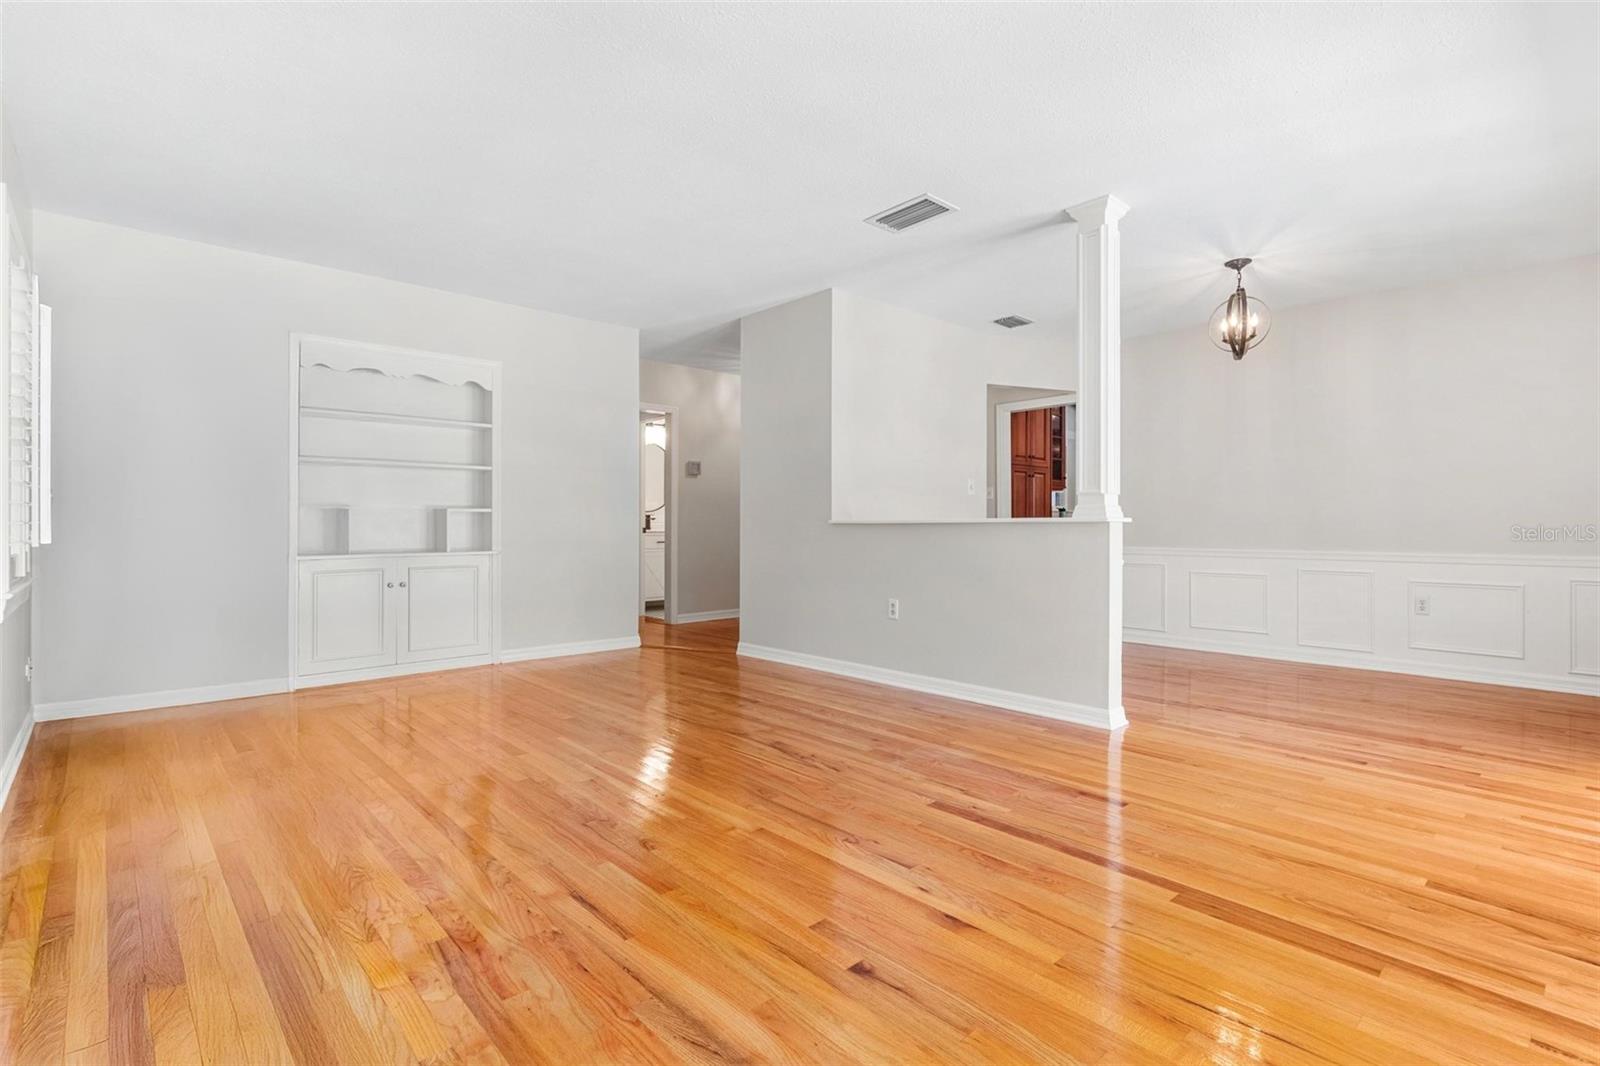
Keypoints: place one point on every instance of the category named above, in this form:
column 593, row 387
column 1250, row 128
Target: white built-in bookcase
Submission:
column 396, row 451
column 396, row 457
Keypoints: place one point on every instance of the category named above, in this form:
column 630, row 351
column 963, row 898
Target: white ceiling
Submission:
column 675, row 166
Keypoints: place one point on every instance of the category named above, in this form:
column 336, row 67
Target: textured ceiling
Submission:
column 675, row 166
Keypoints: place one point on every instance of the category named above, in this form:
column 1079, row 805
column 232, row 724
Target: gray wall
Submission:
column 1430, row 419
column 909, row 418
column 707, row 429
column 171, row 564
column 16, row 701
column 1017, row 606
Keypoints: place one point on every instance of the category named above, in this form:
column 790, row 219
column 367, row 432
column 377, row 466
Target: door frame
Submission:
column 670, row 487
column 1002, row 445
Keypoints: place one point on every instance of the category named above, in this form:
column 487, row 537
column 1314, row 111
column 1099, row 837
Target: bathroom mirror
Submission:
column 653, row 460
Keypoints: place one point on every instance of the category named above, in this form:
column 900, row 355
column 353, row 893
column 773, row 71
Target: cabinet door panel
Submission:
column 1038, row 429
column 653, row 570
column 445, row 610
column 345, row 617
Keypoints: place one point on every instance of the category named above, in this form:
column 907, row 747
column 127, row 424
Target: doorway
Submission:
column 1035, row 448
column 657, row 523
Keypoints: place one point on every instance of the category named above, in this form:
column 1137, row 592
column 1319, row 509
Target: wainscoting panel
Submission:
column 1144, row 596
column 1585, row 624
column 1468, row 618
column 1526, row 620
column 1228, row 601
column 1333, row 609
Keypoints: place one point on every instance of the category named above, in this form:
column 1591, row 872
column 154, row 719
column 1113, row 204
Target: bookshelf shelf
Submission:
column 413, row 464
column 395, row 418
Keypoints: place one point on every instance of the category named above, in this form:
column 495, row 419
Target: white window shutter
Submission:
column 22, row 415
column 41, row 433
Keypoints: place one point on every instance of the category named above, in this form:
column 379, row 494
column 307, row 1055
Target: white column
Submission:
column 1099, row 462
column 1099, row 458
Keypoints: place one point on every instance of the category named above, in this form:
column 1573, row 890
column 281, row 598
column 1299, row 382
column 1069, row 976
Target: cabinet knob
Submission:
column 391, row 584
column 402, row 584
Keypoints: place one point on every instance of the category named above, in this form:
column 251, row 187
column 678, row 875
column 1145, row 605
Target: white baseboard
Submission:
column 144, row 701
column 13, row 763
column 382, row 673
column 581, row 647
column 1359, row 661
column 705, row 616
column 1061, row 710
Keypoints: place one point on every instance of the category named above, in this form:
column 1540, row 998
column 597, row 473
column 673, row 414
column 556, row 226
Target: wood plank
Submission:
column 673, row 855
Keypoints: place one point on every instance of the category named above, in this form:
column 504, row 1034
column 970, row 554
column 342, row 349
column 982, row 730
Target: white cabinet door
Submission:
column 653, row 566
column 346, row 622
column 445, row 609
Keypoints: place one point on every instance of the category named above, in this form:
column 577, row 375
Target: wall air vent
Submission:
column 902, row 217
column 1013, row 321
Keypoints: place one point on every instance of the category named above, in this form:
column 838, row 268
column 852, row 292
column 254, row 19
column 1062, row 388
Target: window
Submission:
column 27, row 421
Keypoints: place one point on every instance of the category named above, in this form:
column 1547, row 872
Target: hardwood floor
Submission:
column 675, row 855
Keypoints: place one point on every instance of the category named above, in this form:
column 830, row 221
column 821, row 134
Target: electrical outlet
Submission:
column 1421, row 606
column 894, row 610
column 27, row 669
column 972, row 486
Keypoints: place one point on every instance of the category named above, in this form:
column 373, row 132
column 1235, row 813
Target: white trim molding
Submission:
column 13, row 763
column 1496, row 619
column 1161, row 589
column 1358, row 661
column 1574, row 631
column 707, row 616
column 185, row 697
column 1518, row 651
column 557, row 651
column 146, row 701
column 337, row 353
column 1238, row 576
column 382, row 673
column 1371, row 610
column 1039, row 706
column 1580, row 562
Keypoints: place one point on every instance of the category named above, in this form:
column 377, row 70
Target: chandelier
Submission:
column 1241, row 321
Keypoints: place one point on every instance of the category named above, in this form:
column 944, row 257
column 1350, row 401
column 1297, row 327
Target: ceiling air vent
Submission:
column 1013, row 321
column 902, row 217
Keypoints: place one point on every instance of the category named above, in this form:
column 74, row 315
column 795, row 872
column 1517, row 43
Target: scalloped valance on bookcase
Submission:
column 398, row 362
